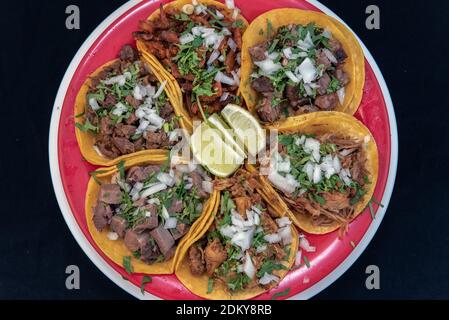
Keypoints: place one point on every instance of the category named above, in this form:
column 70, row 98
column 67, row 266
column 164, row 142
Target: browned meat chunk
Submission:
column 341, row 76
column 169, row 36
column 156, row 140
column 166, row 111
column 324, row 82
column 110, row 194
column 294, row 97
column 109, row 101
column 268, row 223
column 257, row 53
column 322, row 59
column 163, row 239
column 242, row 204
column 132, row 101
column 306, row 109
column 102, row 215
column 196, row 261
column 327, row 101
column 124, row 130
column 197, row 182
column 107, row 149
column 214, row 254
column 262, row 84
column 119, row 225
column 180, row 230
column 148, row 223
column 266, row 111
column 106, row 125
column 128, row 53
column 139, row 174
column 134, row 241
column 335, row 201
column 124, row 145
column 149, row 253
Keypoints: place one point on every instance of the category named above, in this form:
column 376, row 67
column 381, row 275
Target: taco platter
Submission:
column 296, row 62
column 220, row 231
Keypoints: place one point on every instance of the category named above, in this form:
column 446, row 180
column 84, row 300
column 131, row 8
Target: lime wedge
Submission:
column 215, row 121
column 246, row 128
column 209, row 149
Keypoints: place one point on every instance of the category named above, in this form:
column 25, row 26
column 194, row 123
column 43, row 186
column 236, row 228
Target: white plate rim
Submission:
column 104, row 267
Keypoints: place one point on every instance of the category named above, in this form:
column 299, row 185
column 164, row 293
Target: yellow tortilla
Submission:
column 174, row 89
column 116, row 250
column 354, row 65
column 319, row 123
column 199, row 284
column 86, row 140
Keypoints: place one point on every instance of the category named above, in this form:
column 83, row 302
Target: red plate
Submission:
column 70, row 172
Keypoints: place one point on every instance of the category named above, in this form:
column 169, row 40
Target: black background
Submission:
column 411, row 245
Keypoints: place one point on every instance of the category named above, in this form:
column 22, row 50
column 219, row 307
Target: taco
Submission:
column 198, row 45
column 296, row 62
column 123, row 108
column 324, row 168
column 245, row 248
column 145, row 210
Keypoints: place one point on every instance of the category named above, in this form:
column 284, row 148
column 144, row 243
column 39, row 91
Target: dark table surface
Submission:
column 411, row 245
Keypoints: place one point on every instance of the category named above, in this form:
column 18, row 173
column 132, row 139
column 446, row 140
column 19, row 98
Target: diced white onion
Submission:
column 159, row 91
column 93, row 103
column 232, row 44
column 273, row 238
column 305, row 245
column 341, row 95
column 154, row 201
column 228, row 231
column 207, row 186
column 224, row 96
column 119, row 109
column 219, row 14
column 267, row 278
column 286, row 235
column 170, row 223
column 213, row 56
column 292, row 77
column 307, row 70
column 166, row 179
column 281, row 182
column 152, row 190
column 112, row 236
column 248, row 267
column 316, row 174
column 221, row 77
column 261, row 248
column 235, row 13
column 298, row 258
column 236, row 78
column 230, row 4
column 268, row 66
column 282, row 222
column 243, row 239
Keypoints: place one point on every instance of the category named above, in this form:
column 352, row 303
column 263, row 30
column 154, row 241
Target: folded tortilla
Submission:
column 173, row 88
column 199, row 284
column 340, row 124
column 116, row 250
column 354, row 65
column 86, row 140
